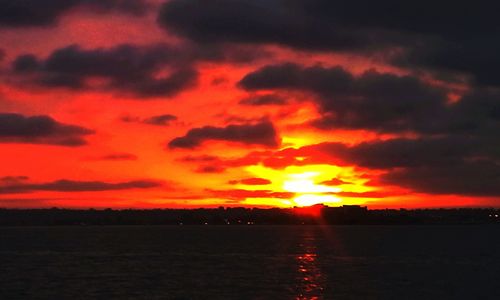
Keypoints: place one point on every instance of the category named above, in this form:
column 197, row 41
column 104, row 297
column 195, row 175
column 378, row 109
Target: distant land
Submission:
column 317, row 214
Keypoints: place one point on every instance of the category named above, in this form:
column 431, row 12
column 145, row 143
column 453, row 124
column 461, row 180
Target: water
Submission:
column 250, row 262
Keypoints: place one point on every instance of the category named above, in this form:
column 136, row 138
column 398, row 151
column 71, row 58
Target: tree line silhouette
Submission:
column 318, row 214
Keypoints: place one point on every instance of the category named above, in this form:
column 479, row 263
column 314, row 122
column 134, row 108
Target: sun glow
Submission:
column 304, row 183
column 310, row 184
column 312, row 199
column 309, row 193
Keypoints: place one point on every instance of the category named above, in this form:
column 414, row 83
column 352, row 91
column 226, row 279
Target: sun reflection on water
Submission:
column 309, row 276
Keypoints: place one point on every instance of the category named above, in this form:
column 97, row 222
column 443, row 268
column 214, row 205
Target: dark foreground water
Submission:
column 250, row 262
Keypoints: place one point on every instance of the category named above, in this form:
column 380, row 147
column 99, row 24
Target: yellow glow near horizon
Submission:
column 305, row 182
column 296, row 142
column 309, row 192
column 312, row 199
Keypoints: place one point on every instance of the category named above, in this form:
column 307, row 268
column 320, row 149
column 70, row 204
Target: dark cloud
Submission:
column 373, row 194
column 375, row 101
column 259, row 100
column 125, row 67
column 16, row 128
column 391, row 154
column 249, row 21
column 199, row 158
column 238, row 54
column 117, row 157
column 471, row 178
column 229, row 118
column 33, row 12
column 413, row 35
column 26, row 63
column 134, row 7
column 146, row 71
column 411, row 18
column 251, row 181
column 253, row 134
column 321, row 24
column 383, row 102
column 160, row 120
column 75, row 186
column 454, row 164
column 477, row 113
column 334, row 182
column 211, row 162
column 13, row 179
column 241, row 194
column 219, row 80
column 461, row 165
column 471, row 59
column 18, row 13
column 211, row 169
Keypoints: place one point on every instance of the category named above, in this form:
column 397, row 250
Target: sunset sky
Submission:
column 198, row 103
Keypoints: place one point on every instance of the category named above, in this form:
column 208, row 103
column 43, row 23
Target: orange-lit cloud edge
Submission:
column 127, row 163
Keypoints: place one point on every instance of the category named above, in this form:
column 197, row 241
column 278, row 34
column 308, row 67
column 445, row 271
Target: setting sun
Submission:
column 312, row 184
column 308, row 192
column 312, row 199
column 304, row 183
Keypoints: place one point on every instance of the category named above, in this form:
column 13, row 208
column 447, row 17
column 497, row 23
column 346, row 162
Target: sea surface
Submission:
column 250, row 262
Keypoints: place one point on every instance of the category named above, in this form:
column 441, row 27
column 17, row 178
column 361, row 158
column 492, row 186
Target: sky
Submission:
column 266, row 103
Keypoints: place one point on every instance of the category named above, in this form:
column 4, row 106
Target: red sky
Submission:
column 239, row 103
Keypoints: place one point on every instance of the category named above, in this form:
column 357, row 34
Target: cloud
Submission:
column 460, row 165
column 126, row 68
column 262, row 134
column 12, row 179
column 376, row 101
column 248, row 21
column 146, row 71
column 384, row 102
column 214, row 169
column 158, row 120
column 388, row 154
column 241, row 194
column 372, row 194
column 16, row 13
column 413, row 36
column 477, row 113
column 471, row 178
column 26, row 63
column 117, row 157
column 334, row 182
column 251, row 181
column 64, row 185
column 260, row 100
column 199, row 158
column 220, row 164
column 237, row 54
column 16, row 128
column 469, row 58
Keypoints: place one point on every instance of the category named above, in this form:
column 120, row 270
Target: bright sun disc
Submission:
column 309, row 192
column 304, row 186
column 311, row 199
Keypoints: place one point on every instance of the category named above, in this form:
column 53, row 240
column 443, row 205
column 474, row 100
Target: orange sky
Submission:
column 128, row 157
